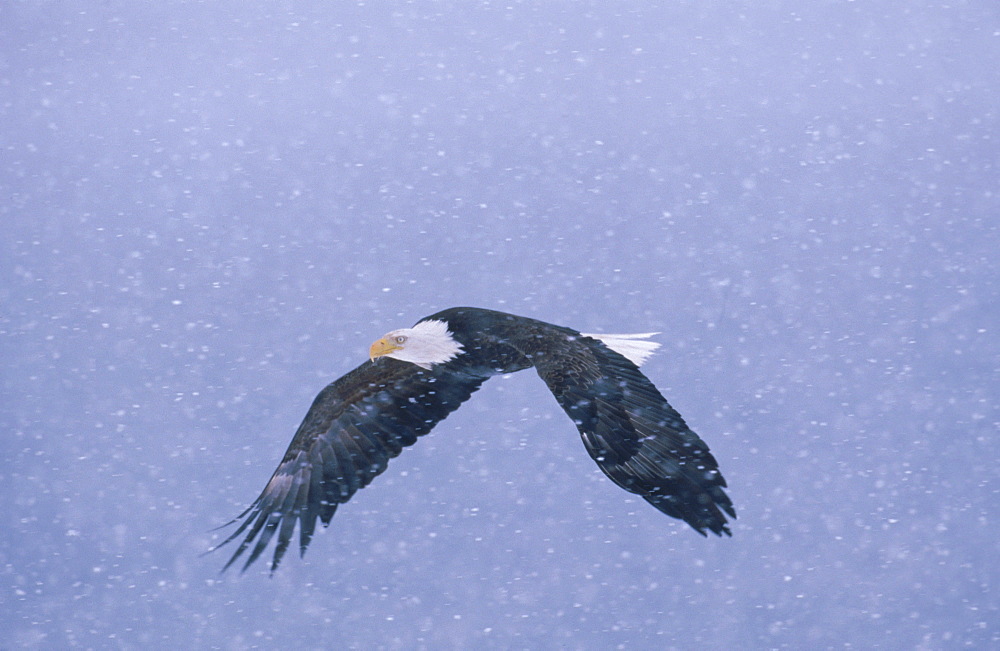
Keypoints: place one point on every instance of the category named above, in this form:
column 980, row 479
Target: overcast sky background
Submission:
column 210, row 210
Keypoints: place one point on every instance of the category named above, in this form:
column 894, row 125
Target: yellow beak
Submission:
column 382, row 347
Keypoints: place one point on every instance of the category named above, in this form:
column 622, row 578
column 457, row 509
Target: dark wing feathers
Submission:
column 634, row 435
column 367, row 417
column 353, row 428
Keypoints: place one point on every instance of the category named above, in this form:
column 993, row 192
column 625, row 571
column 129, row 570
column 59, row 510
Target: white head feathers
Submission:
column 425, row 344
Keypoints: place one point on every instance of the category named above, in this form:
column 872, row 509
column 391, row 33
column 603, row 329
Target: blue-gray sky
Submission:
column 210, row 210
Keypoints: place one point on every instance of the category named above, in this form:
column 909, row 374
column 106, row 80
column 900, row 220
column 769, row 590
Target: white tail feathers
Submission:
column 631, row 347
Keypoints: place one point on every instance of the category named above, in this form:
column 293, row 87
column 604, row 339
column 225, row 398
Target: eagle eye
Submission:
column 400, row 339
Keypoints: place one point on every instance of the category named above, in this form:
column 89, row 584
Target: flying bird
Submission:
column 416, row 376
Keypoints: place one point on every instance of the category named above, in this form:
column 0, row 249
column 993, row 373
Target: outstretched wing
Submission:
column 634, row 435
column 353, row 428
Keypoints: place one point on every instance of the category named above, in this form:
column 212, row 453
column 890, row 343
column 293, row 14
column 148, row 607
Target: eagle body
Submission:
column 417, row 376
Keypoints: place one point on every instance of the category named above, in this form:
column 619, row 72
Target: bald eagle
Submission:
column 417, row 376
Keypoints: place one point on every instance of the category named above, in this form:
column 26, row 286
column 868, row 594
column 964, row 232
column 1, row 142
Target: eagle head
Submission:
column 425, row 344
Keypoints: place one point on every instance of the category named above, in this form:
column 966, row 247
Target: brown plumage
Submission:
column 420, row 375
